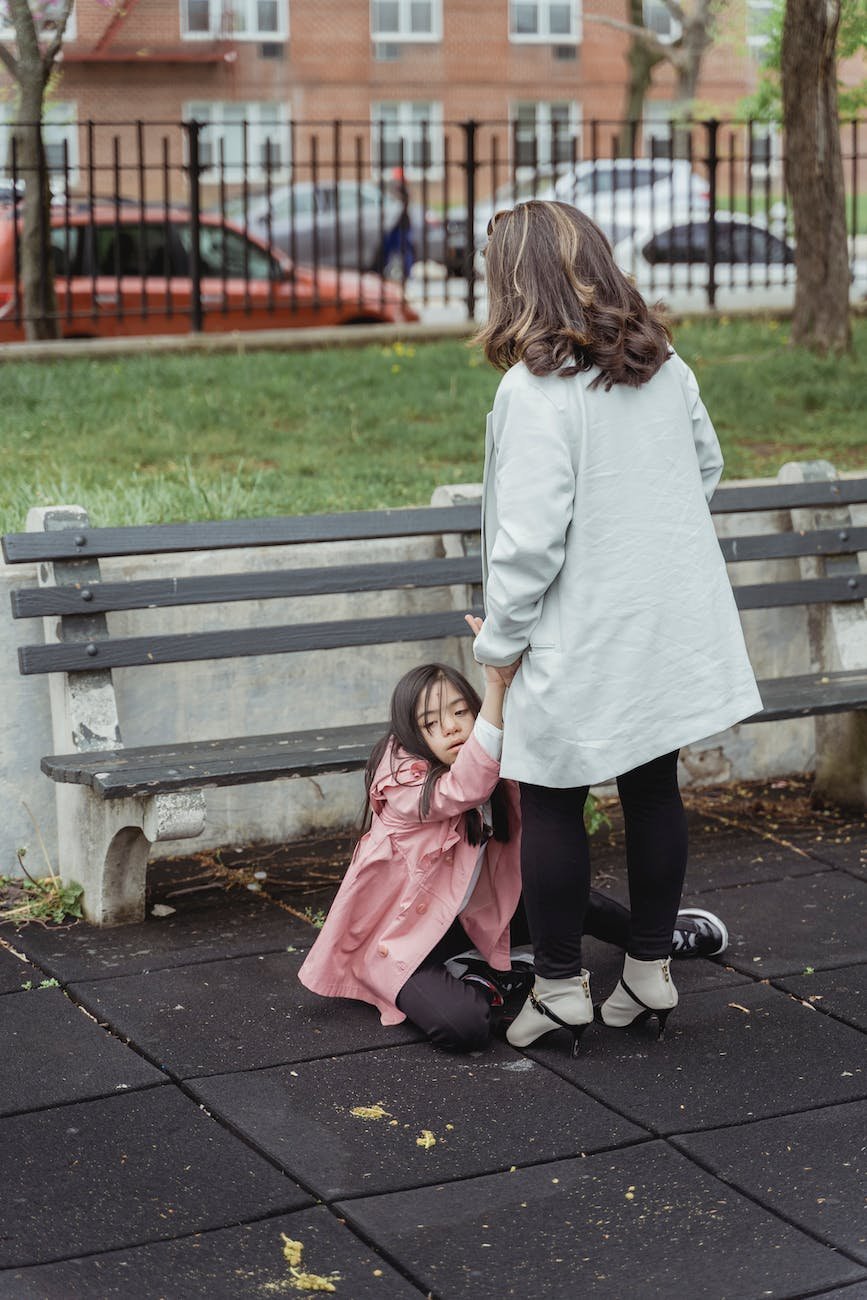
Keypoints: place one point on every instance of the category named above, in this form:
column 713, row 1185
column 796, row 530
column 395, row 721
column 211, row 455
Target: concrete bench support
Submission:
column 102, row 844
column 838, row 641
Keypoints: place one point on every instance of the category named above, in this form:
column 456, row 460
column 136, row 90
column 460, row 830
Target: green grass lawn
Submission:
column 151, row 439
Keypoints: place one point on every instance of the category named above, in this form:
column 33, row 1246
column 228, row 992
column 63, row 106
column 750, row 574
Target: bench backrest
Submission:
column 74, row 549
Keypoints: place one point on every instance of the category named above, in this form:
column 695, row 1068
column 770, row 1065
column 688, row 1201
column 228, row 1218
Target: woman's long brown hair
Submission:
column 405, row 736
column 558, row 301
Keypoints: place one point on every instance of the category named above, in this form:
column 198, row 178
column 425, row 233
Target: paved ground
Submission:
column 175, row 1107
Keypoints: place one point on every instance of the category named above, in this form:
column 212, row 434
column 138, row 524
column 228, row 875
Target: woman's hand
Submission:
column 503, row 675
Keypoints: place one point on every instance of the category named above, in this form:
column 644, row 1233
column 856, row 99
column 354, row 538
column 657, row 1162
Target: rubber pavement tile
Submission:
column 15, row 973
column 642, row 1221
column 781, row 927
column 727, row 1057
column 191, row 934
column 841, row 993
column 377, row 1121
column 100, row 1175
column 235, row 1263
column 813, row 1173
column 720, row 855
column 53, row 1052
column 240, row 1014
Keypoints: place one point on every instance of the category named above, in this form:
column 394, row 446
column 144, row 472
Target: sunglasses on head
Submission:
column 495, row 218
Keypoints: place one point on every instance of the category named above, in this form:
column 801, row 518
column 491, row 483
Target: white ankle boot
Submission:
column 553, row 1004
column 645, row 989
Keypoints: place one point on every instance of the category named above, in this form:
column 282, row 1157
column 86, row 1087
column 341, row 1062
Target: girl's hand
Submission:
column 494, row 675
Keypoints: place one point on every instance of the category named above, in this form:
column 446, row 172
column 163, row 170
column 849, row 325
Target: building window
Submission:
column 659, row 19
column 238, row 20
column 60, row 137
column 44, row 19
column 555, row 22
column 408, row 134
column 241, row 139
column 546, row 136
column 657, row 128
column 761, row 16
column 763, row 151
column 406, row 20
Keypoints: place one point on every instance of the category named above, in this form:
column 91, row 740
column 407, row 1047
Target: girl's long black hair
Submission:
column 413, row 690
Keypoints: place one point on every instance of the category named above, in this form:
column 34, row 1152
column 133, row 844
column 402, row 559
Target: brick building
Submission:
column 398, row 74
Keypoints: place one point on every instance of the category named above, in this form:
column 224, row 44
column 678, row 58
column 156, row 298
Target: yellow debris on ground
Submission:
column 370, row 1112
column 291, row 1250
column 426, row 1140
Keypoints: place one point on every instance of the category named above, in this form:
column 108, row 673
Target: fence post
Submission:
column 470, row 165
column 712, row 128
column 194, row 172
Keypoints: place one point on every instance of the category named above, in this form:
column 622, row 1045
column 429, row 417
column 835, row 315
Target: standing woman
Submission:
column 603, row 575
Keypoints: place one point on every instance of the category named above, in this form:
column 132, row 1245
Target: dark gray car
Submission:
column 347, row 221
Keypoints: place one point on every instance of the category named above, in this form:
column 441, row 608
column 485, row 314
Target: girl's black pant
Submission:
column 456, row 1015
column 555, row 865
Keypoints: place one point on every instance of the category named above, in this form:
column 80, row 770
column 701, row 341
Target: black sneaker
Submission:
column 506, row 989
column 698, row 934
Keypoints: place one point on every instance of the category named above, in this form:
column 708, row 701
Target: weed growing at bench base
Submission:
column 156, row 438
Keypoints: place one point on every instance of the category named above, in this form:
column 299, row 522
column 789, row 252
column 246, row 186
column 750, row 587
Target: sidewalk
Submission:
column 181, row 1105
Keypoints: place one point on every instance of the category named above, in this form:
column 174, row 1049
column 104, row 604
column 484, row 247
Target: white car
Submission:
column 753, row 265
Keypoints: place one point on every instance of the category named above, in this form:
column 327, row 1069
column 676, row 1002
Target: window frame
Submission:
column 258, row 115
column 7, row 30
column 59, row 120
column 217, row 30
column 403, row 33
column 408, row 126
column 675, row 28
column 544, row 35
column 545, row 163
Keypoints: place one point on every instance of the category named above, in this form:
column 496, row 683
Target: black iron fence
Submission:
column 167, row 227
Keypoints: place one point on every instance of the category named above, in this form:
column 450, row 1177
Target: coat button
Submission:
column 421, row 907
column 383, row 951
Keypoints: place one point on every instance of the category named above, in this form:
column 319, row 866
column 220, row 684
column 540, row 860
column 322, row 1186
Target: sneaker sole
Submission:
column 714, row 920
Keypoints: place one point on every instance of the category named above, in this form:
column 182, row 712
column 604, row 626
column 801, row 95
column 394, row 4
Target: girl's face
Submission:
column 445, row 720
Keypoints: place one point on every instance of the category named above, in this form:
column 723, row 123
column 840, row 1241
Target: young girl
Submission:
column 438, row 869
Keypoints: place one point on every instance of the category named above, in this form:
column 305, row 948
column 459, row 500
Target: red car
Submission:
column 126, row 270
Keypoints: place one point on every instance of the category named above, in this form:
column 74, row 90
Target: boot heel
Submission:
column 577, row 1031
column 662, row 1017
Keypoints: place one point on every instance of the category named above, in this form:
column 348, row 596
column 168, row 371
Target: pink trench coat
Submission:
column 407, row 879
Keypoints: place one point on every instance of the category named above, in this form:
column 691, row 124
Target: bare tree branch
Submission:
column 25, row 33
column 10, row 63
column 53, row 47
column 650, row 39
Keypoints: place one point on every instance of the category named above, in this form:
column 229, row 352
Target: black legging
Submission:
column 555, row 865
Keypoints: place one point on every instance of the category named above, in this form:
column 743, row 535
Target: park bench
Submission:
column 113, row 802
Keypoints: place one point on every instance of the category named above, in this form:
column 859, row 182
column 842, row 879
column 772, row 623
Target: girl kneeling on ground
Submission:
column 438, row 868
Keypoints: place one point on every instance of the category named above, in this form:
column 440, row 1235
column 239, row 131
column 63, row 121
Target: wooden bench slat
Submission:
column 785, row 496
column 99, row 597
column 810, row 694
column 128, row 652
column 805, row 591
column 155, row 769
column 782, row 546
column 225, row 534
column 20, row 548
column 159, row 769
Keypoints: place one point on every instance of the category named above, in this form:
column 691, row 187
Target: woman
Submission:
column 604, row 577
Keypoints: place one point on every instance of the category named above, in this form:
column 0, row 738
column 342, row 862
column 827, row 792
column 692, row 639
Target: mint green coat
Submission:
column 602, row 569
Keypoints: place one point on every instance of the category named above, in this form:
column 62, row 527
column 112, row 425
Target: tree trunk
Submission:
column 814, row 175
column 39, row 300
column 642, row 59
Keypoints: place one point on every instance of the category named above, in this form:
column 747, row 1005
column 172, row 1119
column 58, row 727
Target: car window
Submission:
column 687, row 243
column 226, row 252
column 130, row 249
column 66, row 246
column 754, row 244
